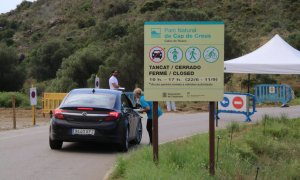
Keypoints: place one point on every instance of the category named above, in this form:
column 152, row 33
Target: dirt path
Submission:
column 23, row 118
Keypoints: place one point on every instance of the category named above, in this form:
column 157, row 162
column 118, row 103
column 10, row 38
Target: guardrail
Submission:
column 273, row 93
column 237, row 103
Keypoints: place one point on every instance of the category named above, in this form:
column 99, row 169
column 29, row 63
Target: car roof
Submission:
column 96, row 90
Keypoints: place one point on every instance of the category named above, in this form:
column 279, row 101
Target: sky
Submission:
column 8, row 5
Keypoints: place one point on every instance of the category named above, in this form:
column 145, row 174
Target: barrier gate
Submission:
column 273, row 93
column 51, row 101
column 238, row 103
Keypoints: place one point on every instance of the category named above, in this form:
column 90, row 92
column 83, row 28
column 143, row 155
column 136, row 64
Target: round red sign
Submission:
column 238, row 102
column 157, row 54
column 33, row 94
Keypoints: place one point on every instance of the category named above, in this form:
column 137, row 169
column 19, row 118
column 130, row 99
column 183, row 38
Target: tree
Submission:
column 128, row 58
column 12, row 75
column 46, row 60
column 77, row 69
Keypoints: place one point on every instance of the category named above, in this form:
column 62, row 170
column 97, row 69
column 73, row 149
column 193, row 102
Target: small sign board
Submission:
column 272, row 89
column 233, row 102
column 33, row 96
column 184, row 61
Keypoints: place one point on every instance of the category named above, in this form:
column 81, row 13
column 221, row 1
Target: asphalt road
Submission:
column 25, row 153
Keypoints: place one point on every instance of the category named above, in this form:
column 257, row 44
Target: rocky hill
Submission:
column 59, row 45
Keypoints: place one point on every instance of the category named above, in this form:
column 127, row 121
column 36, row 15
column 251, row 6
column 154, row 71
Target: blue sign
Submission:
column 225, row 102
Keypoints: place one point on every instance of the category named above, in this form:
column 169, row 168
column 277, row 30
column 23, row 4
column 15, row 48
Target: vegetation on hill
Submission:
column 58, row 45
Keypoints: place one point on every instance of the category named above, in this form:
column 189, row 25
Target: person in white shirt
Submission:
column 113, row 81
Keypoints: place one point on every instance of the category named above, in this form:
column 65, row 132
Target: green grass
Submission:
column 295, row 101
column 273, row 146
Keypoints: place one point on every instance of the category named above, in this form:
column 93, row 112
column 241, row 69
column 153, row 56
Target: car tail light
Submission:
column 85, row 109
column 58, row 114
column 112, row 116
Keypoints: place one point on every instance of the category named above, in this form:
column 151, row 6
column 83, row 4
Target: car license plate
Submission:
column 83, row 131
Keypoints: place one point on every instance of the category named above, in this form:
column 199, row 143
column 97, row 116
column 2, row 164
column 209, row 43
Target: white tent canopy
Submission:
column 275, row 57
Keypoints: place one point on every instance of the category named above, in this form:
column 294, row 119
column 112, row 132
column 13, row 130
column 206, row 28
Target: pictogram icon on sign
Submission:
column 175, row 54
column 157, row 54
column 211, row 54
column 225, row 102
column 193, row 54
column 237, row 102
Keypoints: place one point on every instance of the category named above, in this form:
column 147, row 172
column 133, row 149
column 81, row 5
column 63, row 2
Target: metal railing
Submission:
column 273, row 93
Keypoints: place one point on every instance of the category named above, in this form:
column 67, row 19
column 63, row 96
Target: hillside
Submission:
column 59, row 45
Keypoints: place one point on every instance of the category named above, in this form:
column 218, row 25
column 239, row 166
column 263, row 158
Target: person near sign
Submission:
column 146, row 107
column 171, row 106
column 113, row 81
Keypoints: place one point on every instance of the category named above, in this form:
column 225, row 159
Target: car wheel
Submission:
column 125, row 144
column 139, row 133
column 55, row 144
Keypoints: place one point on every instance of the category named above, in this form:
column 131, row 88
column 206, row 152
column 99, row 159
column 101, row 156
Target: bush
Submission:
column 24, row 5
column 22, row 100
column 83, row 23
column 152, row 5
column 115, row 8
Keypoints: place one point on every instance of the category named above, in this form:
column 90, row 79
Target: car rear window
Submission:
column 103, row 100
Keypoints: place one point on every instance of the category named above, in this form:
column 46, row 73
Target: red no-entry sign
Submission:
column 238, row 102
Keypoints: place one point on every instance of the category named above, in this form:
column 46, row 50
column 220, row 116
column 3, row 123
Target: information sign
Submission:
column 184, row 61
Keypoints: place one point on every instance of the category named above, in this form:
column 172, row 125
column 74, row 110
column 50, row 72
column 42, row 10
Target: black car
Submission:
column 97, row 115
column 156, row 54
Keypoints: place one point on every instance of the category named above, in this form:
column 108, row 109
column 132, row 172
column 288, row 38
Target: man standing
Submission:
column 113, row 81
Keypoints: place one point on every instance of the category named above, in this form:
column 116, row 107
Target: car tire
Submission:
column 55, row 144
column 125, row 141
column 139, row 133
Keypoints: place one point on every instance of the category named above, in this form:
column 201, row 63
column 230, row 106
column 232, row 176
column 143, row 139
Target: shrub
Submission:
column 152, row 5
column 84, row 23
column 115, row 8
column 22, row 100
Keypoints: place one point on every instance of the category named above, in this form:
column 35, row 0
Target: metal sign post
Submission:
column 212, row 138
column 33, row 115
column 14, row 111
column 155, row 132
column 33, row 102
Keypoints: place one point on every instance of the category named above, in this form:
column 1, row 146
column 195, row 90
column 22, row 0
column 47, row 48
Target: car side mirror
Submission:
column 126, row 110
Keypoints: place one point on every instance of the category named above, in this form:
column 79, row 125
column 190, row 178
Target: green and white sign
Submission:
column 184, row 61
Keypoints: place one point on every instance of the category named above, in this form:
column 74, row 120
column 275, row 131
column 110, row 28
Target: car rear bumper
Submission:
column 108, row 132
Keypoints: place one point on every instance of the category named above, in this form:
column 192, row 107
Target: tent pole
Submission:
column 248, row 83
